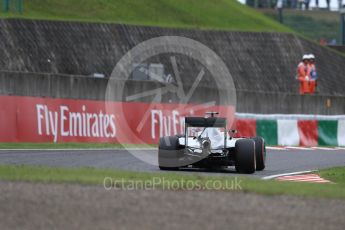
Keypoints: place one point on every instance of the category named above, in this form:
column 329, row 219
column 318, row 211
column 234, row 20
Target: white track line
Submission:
column 286, row 174
column 340, row 148
column 298, row 148
column 287, row 148
column 323, row 148
column 275, row 148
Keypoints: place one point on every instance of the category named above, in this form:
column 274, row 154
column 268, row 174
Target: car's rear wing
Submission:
column 215, row 122
column 205, row 122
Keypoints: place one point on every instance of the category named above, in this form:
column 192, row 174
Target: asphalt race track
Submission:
column 278, row 161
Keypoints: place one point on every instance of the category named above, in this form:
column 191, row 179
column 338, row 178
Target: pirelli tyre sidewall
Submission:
column 170, row 153
column 260, row 153
column 245, row 160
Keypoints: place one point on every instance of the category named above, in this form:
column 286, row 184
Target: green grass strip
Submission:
column 215, row 14
column 336, row 175
column 176, row 181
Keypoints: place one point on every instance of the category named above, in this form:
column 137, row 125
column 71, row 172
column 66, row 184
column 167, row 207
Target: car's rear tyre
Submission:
column 260, row 153
column 169, row 152
column 245, row 160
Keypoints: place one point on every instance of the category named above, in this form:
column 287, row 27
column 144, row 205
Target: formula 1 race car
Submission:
column 208, row 144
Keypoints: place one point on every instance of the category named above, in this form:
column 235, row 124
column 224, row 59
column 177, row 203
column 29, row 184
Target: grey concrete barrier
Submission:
column 56, row 59
column 80, row 87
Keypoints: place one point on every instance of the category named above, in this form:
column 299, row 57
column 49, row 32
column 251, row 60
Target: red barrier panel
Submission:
column 8, row 114
column 33, row 119
column 308, row 132
column 245, row 127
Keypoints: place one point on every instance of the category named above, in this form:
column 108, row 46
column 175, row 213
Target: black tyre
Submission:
column 169, row 152
column 245, row 156
column 260, row 153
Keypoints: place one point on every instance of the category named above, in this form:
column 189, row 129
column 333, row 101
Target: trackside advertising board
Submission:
column 34, row 119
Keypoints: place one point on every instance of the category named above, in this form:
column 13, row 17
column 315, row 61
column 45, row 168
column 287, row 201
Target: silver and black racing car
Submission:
column 208, row 144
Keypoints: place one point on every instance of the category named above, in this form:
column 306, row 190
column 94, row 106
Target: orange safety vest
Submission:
column 303, row 71
column 303, row 74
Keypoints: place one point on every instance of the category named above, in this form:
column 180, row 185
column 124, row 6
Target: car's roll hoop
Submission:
column 212, row 113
